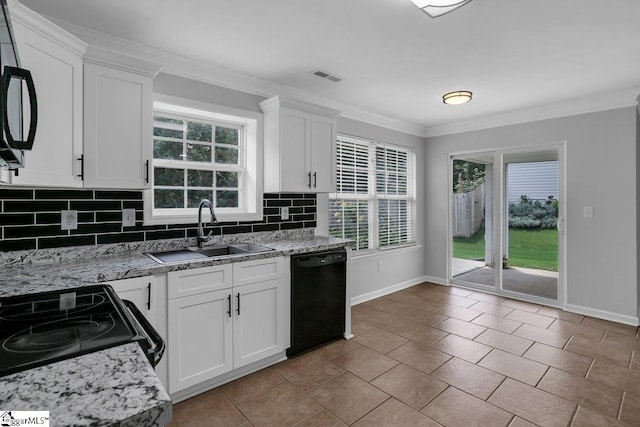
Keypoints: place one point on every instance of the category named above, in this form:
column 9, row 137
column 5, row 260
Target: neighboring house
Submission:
column 536, row 180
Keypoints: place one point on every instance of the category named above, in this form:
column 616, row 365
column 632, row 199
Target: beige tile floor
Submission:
column 432, row 355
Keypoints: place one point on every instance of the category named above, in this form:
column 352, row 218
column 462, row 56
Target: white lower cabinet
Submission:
column 200, row 338
column 258, row 322
column 149, row 294
column 140, row 291
column 217, row 331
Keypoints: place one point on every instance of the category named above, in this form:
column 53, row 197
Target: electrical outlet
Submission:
column 379, row 265
column 69, row 220
column 128, row 217
column 284, row 212
column 587, row 212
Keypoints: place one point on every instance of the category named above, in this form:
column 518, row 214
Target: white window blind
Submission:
column 375, row 200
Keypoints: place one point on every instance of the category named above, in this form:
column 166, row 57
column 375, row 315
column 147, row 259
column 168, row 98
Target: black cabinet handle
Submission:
column 81, row 174
column 229, row 300
column 315, row 179
column 149, row 296
column 147, row 174
column 238, row 309
column 309, row 175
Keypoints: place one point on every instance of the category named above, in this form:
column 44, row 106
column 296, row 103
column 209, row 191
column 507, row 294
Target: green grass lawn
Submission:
column 535, row 248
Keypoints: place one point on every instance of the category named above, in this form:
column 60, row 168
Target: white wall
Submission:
column 601, row 172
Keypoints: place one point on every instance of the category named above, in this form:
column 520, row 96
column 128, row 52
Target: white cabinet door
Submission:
column 258, row 330
column 57, row 76
column 299, row 146
column 139, row 291
column 295, row 175
column 323, row 154
column 117, row 128
column 200, row 338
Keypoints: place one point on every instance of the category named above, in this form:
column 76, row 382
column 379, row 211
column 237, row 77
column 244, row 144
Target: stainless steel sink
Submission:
column 193, row 254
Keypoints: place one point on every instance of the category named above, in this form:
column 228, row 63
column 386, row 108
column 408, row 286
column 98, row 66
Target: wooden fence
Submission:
column 468, row 212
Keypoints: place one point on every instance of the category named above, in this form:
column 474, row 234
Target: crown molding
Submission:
column 208, row 73
column 281, row 101
column 25, row 17
column 574, row 107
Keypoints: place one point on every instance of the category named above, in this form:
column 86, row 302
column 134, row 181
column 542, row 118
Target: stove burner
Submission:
column 57, row 334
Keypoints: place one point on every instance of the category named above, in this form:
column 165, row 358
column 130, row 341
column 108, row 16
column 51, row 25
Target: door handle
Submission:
column 238, row 309
column 149, row 296
column 309, row 175
column 147, row 174
column 315, row 179
column 229, row 300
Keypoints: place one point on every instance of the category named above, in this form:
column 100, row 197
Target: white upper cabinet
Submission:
column 300, row 146
column 118, row 126
column 54, row 57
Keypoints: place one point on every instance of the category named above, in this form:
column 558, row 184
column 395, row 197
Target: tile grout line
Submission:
column 575, row 414
column 513, row 420
column 624, row 394
column 543, row 375
column 496, row 389
column 567, row 343
column 593, row 361
column 604, row 336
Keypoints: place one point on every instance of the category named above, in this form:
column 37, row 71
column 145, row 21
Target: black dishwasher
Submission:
column 318, row 295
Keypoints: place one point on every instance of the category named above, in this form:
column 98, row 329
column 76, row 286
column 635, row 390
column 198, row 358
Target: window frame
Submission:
column 373, row 196
column 250, row 159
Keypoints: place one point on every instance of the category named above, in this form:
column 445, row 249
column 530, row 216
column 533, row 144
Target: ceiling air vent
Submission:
column 325, row 75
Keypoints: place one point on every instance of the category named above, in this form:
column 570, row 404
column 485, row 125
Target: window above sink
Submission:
column 204, row 151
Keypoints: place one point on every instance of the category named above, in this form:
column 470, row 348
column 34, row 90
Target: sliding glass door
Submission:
column 505, row 210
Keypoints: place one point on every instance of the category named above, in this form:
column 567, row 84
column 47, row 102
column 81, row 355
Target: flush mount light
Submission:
column 457, row 97
column 436, row 8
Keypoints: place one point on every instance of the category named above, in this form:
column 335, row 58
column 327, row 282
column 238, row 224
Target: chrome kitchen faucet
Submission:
column 201, row 237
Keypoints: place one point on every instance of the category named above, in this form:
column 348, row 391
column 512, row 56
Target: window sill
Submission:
column 193, row 219
column 373, row 253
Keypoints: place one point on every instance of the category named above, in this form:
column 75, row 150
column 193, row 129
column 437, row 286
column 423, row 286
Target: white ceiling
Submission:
column 395, row 60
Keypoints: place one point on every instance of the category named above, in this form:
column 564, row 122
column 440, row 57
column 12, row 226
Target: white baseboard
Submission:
column 603, row 314
column 388, row 290
column 436, row 280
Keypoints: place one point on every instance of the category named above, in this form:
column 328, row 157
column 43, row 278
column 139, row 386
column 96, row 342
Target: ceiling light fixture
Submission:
column 456, row 98
column 436, row 8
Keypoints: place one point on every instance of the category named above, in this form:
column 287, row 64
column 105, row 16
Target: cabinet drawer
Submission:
column 257, row 271
column 199, row 280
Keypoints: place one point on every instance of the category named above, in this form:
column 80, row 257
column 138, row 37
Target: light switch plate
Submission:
column 128, row 217
column 68, row 220
column 587, row 212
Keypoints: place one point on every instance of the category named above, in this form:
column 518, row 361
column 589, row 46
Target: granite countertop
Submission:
column 116, row 385
column 112, row 386
column 64, row 269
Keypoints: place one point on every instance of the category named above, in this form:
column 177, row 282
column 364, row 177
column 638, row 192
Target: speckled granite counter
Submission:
column 112, row 386
column 69, row 268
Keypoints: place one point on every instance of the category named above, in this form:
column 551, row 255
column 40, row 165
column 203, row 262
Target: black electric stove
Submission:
column 37, row 329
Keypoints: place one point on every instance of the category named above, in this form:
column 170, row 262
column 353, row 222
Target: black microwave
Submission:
column 17, row 95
